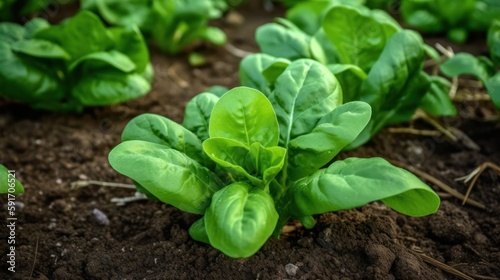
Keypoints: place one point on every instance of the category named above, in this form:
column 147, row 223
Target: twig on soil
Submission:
column 236, row 52
column 438, row 183
column 85, row 183
column 474, row 175
column 423, row 115
column 444, row 267
column 410, row 130
column 34, row 258
column 122, row 201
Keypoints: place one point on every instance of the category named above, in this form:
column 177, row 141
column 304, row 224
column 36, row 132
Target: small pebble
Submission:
column 102, row 219
column 291, row 269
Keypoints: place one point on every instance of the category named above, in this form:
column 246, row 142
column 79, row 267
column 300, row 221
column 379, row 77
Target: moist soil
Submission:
column 66, row 233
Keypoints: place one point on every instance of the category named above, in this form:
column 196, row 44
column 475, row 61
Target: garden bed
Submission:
column 58, row 236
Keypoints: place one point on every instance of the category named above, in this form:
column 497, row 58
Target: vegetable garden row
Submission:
column 286, row 140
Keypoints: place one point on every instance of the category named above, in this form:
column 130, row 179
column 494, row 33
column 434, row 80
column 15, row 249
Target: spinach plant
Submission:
column 482, row 67
column 75, row 64
column 372, row 57
column 456, row 18
column 173, row 25
column 248, row 161
column 8, row 182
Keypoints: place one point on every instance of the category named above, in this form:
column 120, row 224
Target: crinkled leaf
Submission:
column 244, row 114
column 240, row 219
column 275, row 69
column 309, row 152
column 395, row 85
column 130, row 42
column 168, row 174
column 303, row 94
column 197, row 114
column 437, row 100
column 250, row 72
column 109, row 87
column 119, row 12
column 256, row 163
column 350, row 78
column 283, row 41
column 27, row 79
column 355, row 182
column 358, row 35
column 79, row 35
column 160, row 130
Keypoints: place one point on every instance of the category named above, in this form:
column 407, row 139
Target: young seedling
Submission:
column 249, row 162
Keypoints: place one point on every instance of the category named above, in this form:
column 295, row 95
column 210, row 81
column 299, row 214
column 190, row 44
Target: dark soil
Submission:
column 59, row 236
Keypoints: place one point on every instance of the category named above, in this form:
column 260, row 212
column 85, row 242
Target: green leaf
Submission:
column 168, row 174
column 308, row 15
column 119, row 12
column 275, row 69
column 27, row 79
column 350, row 78
column 245, row 115
column 160, row 130
column 80, row 35
column 213, row 35
column 99, row 60
column 358, row 35
column 130, row 42
column 493, row 41
column 309, row 152
column 283, row 41
column 303, row 94
column 8, row 182
column 355, row 182
column 250, row 72
column 437, row 100
column 395, row 85
column 465, row 63
column 40, row 48
column 240, row 219
column 198, row 231
column 256, row 163
column 493, row 87
column 11, row 32
column 197, row 114
column 109, row 87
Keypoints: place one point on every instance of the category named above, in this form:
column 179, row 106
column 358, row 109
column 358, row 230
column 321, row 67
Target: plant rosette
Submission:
column 77, row 63
column 373, row 58
column 249, row 162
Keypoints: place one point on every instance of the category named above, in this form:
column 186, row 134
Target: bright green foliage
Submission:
column 456, row 18
column 250, row 161
column 173, row 25
column 483, row 68
column 8, row 181
column 373, row 59
column 75, row 64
